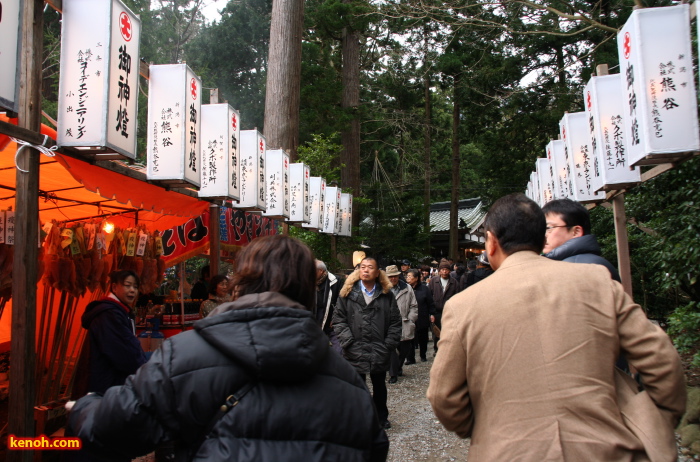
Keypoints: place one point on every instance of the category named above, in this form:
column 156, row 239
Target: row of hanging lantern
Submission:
column 190, row 144
column 645, row 115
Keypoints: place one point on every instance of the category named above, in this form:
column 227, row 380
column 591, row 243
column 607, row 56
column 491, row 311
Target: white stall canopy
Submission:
column 330, row 210
column 99, row 78
column 277, row 175
column 252, row 171
column 174, row 125
column 606, row 128
column 346, row 218
column 545, row 178
column 658, row 85
column 220, row 134
column 299, row 189
column 574, row 132
column 317, row 198
column 9, row 53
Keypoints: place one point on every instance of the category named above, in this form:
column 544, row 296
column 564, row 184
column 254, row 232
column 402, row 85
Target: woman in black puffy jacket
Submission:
column 286, row 395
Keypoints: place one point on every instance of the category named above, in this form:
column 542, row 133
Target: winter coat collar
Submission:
column 355, row 276
column 576, row 246
column 271, row 336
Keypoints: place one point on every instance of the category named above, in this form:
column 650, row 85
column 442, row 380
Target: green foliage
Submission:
column 684, row 328
column 321, row 155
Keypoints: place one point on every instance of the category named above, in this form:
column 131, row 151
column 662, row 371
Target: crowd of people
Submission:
column 278, row 367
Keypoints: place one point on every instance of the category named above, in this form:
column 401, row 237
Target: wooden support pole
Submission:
column 24, row 274
column 214, row 239
column 623, row 248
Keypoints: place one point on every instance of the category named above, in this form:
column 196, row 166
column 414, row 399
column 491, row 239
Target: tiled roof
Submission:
column 470, row 214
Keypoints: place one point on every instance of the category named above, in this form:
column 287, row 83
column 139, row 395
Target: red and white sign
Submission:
column 299, row 188
column 253, row 187
column 277, row 179
column 608, row 134
column 658, row 84
column 317, row 197
column 220, row 139
column 99, row 78
column 579, row 158
column 174, row 125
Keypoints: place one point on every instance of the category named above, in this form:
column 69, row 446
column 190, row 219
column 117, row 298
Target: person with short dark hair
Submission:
column 327, row 290
column 405, row 266
column 426, row 307
column 111, row 345
column 368, row 324
column 408, row 308
column 256, row 380
column 443, row 287
column 218, row 294
column 535, row 355
column 568, row 235
column 425, row 274
column 482, row 271
column 200, row 290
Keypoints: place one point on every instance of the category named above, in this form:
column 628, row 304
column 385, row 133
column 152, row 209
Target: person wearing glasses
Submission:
column 568, row 236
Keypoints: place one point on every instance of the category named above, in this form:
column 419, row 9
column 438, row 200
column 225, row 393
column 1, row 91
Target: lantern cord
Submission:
column 42, row 148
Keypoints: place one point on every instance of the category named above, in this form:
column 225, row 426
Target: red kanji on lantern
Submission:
column 234, row 122
column 193, row 88
column 627, row 45
column 589, row 100
column 125, row 26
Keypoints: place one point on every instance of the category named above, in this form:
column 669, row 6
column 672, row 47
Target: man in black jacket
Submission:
column 443, row 287
column 368, row 323
column 327, row 289
column 426, row 307
column 568, row 236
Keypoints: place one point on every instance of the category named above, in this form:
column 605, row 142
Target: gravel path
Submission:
column 415, row 433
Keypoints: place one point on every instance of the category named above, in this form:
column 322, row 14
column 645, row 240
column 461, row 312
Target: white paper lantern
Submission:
column 317, row 198
column 560, row 169
column 346, row 217
column 9, row 56
column 277, row 179
column 252, row 171
column 299, row 190
column 174, row 125
column 658, row 85
column 99, row 78
column 574, row 132
column 330, row 210
column 545, row 180
column 220, row 144
column 606, row 127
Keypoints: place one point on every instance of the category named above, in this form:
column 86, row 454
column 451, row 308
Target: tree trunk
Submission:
column 454, row 206
column 281, row 126
column 426, row 147
column 350, row 137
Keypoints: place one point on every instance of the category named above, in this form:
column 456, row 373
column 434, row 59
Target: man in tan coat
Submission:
column 526, row 363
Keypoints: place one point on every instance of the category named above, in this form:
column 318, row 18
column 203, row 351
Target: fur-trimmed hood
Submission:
column 355, row 276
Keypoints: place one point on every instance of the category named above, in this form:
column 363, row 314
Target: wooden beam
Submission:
column 56, row 5
column 25, row 134
column 656, row 171
column 25, row 268
column 622, row 242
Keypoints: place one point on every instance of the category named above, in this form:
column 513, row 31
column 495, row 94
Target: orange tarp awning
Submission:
column 71, row 189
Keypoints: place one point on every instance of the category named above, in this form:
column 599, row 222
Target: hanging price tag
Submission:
column 67, row 235
column 131, row 245
column 159, row 246
column 141, row 249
